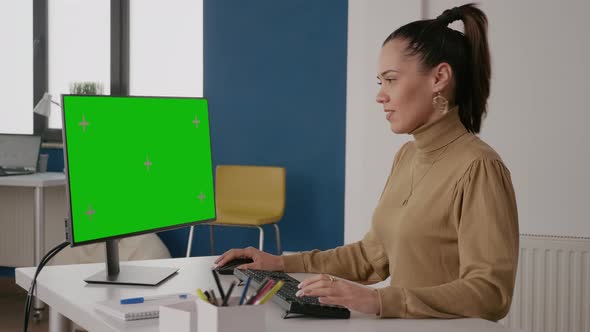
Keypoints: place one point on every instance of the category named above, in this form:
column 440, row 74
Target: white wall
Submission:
column 16, row 67
column 538, row 109
column 370, row 145
column 166, row 48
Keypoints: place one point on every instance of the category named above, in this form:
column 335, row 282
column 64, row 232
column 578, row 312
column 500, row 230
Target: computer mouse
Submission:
column 229, row 267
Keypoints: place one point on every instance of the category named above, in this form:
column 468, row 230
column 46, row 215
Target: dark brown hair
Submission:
column 467, row 54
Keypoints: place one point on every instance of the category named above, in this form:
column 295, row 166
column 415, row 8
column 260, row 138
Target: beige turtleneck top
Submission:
column 452, row 249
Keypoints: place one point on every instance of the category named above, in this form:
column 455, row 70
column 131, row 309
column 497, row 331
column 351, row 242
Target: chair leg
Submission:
column 211, row 240
column 278, row 235
column 190, row 241
column 261, row 239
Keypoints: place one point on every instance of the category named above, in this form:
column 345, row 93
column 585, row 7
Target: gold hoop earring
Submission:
column 440, row 103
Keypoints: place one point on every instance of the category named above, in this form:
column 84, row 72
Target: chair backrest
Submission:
column 256, row 190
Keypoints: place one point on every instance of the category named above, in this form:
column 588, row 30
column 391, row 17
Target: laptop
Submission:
column 19, row 154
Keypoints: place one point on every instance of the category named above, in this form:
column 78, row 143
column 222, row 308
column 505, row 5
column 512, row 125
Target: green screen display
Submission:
column 136, row 164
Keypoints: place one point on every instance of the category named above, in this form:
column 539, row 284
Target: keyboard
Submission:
column 286, row 299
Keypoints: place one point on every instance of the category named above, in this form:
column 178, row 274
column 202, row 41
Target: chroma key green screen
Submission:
column 136, row 165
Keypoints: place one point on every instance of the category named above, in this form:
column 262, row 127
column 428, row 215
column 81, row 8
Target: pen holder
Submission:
column 180, row 317
column 232, row 318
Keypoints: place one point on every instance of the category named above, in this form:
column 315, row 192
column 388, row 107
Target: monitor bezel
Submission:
column 70, row 224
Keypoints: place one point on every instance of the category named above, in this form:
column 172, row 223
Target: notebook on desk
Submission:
column 135, row 311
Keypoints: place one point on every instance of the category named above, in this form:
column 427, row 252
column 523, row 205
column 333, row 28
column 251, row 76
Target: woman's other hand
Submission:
column 332, row 290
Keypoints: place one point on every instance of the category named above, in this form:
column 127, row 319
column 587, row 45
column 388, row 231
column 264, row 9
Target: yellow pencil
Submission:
column 271, row 292
column 201, row 295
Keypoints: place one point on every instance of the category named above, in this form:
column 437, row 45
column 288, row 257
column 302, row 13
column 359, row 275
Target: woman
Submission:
column 445, row 228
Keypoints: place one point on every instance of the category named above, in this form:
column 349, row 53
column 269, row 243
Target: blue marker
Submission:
column 135, row 300
column 245, row 291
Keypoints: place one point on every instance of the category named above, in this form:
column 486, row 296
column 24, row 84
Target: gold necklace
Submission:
column 428, row 170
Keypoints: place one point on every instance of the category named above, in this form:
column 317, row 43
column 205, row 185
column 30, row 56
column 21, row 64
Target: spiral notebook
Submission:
column 146, row 310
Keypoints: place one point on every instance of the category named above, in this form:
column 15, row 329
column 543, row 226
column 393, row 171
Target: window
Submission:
column 145, row 47
column 78, row 47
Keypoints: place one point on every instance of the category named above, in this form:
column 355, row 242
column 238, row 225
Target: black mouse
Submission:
column 229, row 267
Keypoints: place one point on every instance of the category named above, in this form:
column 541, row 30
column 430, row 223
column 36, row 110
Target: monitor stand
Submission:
column 128, row 274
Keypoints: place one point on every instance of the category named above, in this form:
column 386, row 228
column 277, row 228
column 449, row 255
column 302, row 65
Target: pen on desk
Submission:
column 142, row 299
column 227, row 295
column 245, row 291
column 216, row 277
column 270, row 293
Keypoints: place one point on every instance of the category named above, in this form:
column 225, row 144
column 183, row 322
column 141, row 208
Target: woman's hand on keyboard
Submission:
column 262, row 260
column 331, row 290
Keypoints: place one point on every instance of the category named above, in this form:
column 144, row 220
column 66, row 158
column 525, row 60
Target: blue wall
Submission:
column 275, row 77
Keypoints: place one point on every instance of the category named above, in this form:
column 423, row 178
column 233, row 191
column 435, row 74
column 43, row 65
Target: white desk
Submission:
column 63, row 288
column 39, row 181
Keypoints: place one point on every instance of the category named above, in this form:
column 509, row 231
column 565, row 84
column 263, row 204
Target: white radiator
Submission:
column 552, row 292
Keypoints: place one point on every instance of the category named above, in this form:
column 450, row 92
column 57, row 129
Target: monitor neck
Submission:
column 112, row 258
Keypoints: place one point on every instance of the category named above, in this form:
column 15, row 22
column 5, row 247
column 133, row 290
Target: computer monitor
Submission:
column 135, row 165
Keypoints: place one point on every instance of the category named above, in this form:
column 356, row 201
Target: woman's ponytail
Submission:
column 476, row 32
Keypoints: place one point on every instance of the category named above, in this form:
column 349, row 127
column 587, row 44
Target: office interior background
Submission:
column 292, row 83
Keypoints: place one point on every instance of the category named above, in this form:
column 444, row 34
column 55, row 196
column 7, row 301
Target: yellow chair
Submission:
column 247, row 196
